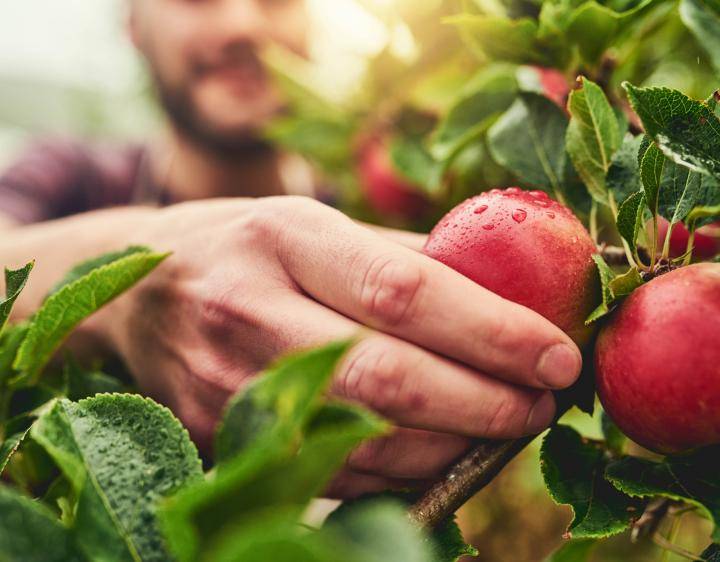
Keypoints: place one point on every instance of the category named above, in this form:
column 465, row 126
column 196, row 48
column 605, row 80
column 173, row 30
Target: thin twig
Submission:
column 649, row 522
column 662, row 542
column 465, row 479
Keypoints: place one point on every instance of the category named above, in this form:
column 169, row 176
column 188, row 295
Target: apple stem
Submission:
column 656, row 234
column 666, row 244
column 690, row 244
column 628, row 253
column 665, row 544
column 593, row 222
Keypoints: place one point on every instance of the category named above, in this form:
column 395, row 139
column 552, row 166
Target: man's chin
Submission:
column 228, row 141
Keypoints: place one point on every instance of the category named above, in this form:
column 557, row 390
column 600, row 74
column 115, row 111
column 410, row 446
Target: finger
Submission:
column 421, row 390
column 408, row 453
column 411, row 240
column 401, row 292
column 412, row 386
column 349, row 485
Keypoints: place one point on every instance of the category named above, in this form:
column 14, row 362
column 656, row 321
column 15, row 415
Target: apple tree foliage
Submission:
column 635, row 140
column 91, row 470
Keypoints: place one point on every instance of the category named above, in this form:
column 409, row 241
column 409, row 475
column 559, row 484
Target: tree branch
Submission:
column 470, row 475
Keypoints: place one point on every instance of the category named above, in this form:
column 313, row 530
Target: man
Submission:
column 255, row 277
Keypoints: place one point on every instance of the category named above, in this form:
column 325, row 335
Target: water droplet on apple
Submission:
column 538, row 194
column 489, row 226
column 519, row 215
column 551, row 215
column 480, row 210
column 513, row 191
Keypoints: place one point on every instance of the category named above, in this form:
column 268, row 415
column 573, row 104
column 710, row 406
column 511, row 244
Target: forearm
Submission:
column 56, row 246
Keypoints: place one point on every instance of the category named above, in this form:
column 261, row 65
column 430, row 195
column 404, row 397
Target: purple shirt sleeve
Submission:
column 61, row 177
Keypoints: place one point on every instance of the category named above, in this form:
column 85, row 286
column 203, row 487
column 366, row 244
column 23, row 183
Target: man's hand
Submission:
column 443, row 358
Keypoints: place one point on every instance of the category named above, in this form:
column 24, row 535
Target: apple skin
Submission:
column 554, row 85
column 706, row 242
column 657, row 361
column 385, row 190
column 526, row 248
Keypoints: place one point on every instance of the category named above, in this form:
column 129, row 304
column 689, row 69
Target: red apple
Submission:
column 657, row 361
column 554, row 84
column 706, row 242
column 385, row 190
column 526, row 248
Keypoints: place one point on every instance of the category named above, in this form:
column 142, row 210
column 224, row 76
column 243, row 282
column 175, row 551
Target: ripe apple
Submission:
column 385, row 190
column 527, row 248
column 657, row 361
column 706, row 242
column 553, row 83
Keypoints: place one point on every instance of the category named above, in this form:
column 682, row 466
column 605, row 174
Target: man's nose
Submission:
column 242, row 19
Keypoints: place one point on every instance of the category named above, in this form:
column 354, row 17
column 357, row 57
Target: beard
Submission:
column 186, row 118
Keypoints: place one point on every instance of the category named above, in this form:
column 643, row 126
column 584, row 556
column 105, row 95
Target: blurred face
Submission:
column 204, row 57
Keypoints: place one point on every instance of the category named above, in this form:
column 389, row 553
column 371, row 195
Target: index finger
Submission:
column 401, row 292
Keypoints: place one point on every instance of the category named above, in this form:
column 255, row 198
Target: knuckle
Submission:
column 504, row 419
column 375, row 375
column 370, row 456
column 390, row 290
column 217, row 311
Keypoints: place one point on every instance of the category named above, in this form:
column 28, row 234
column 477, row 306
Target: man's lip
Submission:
column 240, row 78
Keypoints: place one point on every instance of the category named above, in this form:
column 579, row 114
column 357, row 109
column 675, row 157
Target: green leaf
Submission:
column 122, row 454
column 414, row 163
column 593, row 136
column 30, row 532
column 501, row 38
column 680, row 191
column 578, row 550
column 64, row 310
column 702, row 18
column 277, row 405
column 529, row 141
column 573, row 469
column 15, row 281
column 448, row 544
column 273, row 535
column 82, row 269
column 445, row 540
column 326, row 142
column 703, row 212
column 630, row 219
column 488, row 93
column 606, row 276
column 652, row 167
column 264, row 477
column 615, row 439
column 686, row 130
column 624, row 284
column 693, row 478
column 380, row 530
column 9, row 447
column 623, row 177
column 10, row 342
column 592, row 27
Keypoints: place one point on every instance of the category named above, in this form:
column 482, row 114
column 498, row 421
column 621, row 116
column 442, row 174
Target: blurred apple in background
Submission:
column 706, row 243
column 385, row 190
